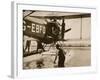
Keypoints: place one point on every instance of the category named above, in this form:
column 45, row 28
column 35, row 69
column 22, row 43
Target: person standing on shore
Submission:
column 60, row 55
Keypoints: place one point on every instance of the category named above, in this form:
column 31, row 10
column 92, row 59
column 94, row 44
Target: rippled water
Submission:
column 75, row 57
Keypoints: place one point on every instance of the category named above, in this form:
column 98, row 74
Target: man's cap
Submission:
column 57, row 45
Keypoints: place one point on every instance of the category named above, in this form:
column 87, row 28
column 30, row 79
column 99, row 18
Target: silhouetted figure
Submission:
column 61, row 56
column 28, row 43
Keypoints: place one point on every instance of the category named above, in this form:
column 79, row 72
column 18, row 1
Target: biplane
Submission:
column 43, row 26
